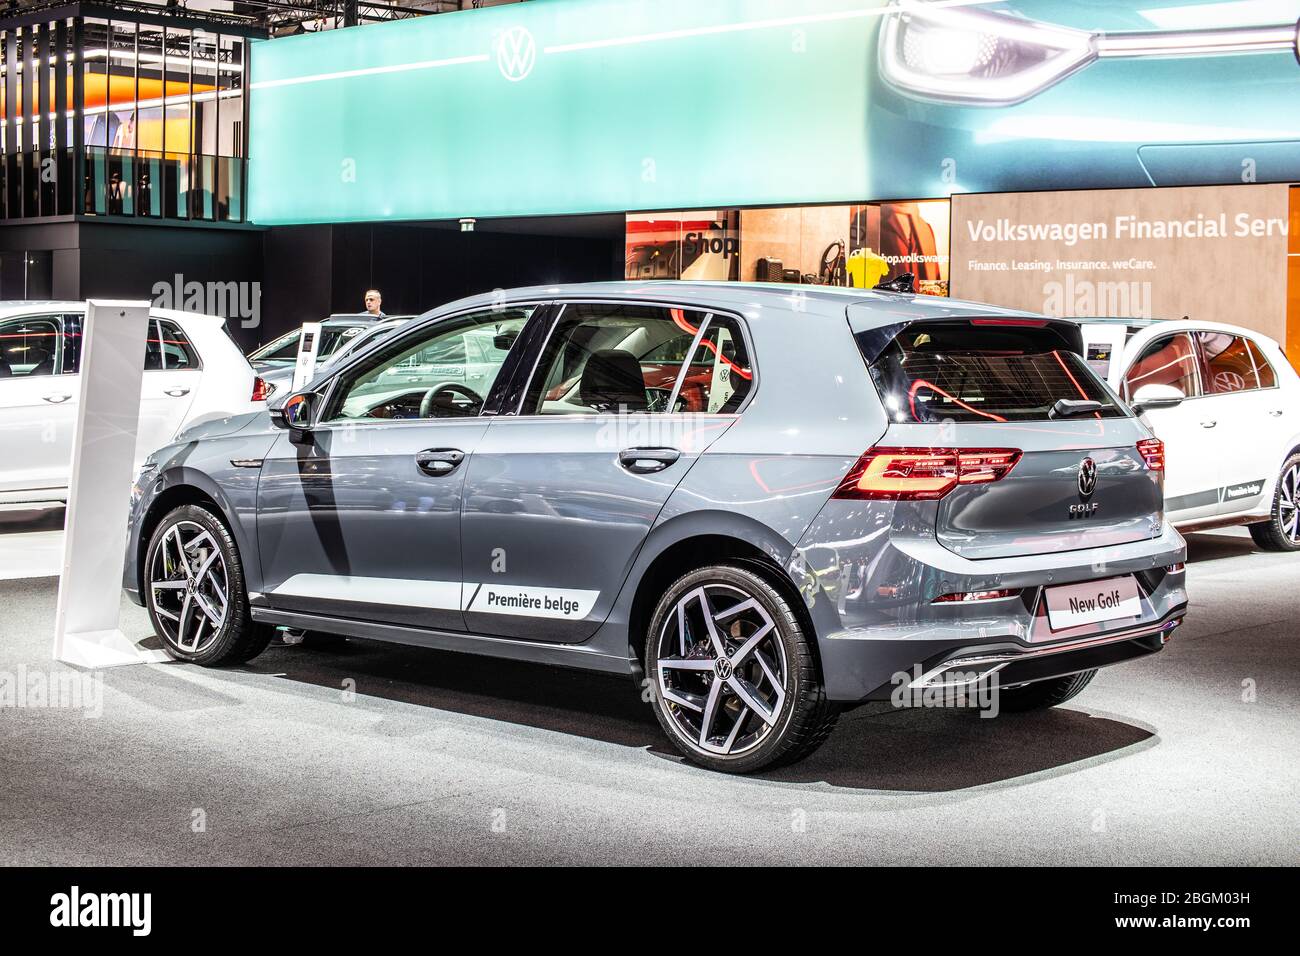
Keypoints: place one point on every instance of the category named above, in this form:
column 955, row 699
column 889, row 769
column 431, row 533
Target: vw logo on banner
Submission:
column 516, row 53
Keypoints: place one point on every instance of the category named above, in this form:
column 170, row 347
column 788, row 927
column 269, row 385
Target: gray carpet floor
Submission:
column 371, row 753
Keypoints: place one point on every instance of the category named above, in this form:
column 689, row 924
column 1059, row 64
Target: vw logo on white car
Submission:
column 1087, row 477
column 516, row 54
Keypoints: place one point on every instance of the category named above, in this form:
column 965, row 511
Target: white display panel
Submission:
column 86, row 629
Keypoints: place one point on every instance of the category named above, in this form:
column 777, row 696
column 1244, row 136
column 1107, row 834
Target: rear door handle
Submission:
column 1209, row 424
column 643, row 461
column 177, row 392
column 56, row 399
column 439, row 461
column 1275, row 412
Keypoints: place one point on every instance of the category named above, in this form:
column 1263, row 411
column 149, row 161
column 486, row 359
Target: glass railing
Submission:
column 159, row 185
column 36, row 184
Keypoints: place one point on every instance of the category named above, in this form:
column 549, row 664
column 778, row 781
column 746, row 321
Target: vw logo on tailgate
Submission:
column 1087, row 477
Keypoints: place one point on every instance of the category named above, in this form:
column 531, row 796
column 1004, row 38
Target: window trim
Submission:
column 710, row 311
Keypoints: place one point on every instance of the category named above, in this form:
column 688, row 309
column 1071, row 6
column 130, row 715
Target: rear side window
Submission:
column 1228, row 363
column 622, row 357
column 174, row 344
column 1267, row 377
column 968, row 372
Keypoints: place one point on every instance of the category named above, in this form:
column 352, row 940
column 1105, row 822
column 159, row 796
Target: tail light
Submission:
column 1153, row 450
column 921, row 474
column 261, row 390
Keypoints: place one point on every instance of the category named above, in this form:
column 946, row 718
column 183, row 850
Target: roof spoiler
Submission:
column 874, row 339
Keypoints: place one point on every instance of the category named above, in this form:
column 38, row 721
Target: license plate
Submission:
column 1093, row 602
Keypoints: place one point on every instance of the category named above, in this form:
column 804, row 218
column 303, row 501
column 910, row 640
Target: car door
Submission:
column 1242, row 427
column 364, row 521
column 1192, row 462
column 563, row 490
column 38, row 402
column 171, row 379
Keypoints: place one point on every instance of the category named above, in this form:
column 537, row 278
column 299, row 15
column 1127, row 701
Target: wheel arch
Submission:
column 185, row 486
column 697, row 540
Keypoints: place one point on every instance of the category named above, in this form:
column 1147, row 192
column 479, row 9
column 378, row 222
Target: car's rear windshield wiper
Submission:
column 1069, row 407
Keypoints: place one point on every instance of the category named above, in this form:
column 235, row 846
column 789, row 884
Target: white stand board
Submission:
column 308, row 350
column 86, row 629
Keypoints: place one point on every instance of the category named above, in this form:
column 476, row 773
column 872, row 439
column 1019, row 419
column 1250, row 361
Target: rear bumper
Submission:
column 1015, row 664
column 877, row 626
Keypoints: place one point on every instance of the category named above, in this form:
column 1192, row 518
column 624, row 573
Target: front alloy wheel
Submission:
column 1281, row 532
column 189, row 587
column 734, row 676
column 194, row 589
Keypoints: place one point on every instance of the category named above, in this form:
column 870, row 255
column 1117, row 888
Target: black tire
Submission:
column 1275, row 534
column 238, row 638
column 1044, row 693
column 803, row 718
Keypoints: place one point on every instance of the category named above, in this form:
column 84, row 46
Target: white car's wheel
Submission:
column 1281, row 532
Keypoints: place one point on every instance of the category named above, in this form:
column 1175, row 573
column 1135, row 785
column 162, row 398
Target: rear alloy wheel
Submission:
column 1044, row 693
column 736, row 686
column 1281, row 532
column 195, row 591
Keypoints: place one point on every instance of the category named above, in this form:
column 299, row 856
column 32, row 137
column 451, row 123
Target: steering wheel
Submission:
column 451, row 388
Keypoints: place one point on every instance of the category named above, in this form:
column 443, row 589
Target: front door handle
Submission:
column 56, row 399
column 177, row 392
column 1275, row 412
column 439, row 461
column 643, row 461
column 1209, row 424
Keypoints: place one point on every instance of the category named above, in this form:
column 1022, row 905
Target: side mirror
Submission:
column 1156, row 396
column 297, row 414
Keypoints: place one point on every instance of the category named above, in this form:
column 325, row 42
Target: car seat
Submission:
column 612, row 379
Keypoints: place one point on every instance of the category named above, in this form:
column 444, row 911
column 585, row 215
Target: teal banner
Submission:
column 562, row 106
column 577, row 106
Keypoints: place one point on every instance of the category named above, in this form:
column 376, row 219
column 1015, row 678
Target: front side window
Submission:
column 1228, row 366
column 432, row 374
column 968, row 372
column 30, row 346
column 607, row 358
column 1168, row 361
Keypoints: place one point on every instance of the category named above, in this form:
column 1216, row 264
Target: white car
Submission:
column 194, row 373
column 1226, row 403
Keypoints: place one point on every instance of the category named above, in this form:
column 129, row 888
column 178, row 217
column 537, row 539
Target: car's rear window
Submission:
column 971, row 372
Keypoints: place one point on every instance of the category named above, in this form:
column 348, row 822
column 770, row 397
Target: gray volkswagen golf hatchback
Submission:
column 768, row 503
